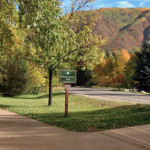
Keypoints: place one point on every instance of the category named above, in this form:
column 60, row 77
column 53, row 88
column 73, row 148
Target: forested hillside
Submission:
column 124, row 28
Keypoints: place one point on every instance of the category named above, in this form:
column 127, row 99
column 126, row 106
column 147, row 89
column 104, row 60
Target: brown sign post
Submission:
column 67, row 86
column 67, row 77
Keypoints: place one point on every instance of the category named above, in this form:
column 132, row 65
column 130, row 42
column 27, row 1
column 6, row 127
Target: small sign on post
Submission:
column 67, row 77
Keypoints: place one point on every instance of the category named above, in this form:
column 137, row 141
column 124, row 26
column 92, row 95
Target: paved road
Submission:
column 21, row 133
column 108, row 94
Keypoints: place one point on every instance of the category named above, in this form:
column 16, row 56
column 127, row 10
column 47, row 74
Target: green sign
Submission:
column 68, row 76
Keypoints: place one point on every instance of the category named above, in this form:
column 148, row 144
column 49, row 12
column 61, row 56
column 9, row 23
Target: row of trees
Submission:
column 116, row 69
column 125, row 69
column 110, row 71
column 37, row 40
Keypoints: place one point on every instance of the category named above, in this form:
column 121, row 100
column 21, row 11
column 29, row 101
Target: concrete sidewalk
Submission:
column 20, row 133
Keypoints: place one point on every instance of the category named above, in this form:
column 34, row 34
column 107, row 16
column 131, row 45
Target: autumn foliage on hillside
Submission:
column 125, row 28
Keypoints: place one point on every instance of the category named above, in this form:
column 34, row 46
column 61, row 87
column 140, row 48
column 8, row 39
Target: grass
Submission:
column 85, row 114
column 130, row 91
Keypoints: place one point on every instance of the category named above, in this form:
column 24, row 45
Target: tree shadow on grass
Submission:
column 14, row 106
column 5, row 106
column 39, row 97
column 96, row 120
column 89, row 121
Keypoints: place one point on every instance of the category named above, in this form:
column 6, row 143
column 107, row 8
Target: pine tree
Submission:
column 142, row 70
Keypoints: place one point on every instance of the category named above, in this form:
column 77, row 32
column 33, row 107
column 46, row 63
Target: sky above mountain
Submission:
column 121, row 3
column 116, row 3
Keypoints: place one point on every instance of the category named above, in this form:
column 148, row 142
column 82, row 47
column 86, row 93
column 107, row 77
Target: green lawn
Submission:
column 85, row 114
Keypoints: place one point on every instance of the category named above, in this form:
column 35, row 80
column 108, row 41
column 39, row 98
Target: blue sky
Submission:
column 117, row 3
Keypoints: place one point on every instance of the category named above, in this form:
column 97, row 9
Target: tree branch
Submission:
column 78, row 8
column 85, row 46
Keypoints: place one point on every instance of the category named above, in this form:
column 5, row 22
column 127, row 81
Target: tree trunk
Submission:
column 50, row 87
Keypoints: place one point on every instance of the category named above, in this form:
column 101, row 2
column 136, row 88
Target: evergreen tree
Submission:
column 84, row 77
column 142, row 70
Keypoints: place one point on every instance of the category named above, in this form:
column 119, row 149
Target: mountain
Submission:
column 124, row 28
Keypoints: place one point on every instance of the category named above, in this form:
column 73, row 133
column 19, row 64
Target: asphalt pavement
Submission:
column 109, row 94
column 21, row 133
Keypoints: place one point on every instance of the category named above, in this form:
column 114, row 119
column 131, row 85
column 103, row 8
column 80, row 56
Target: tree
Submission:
column 37, row 82
column 84, row 77
column 105, row 71
column 13, row 67
column 142, row 70
column 121, row 58
column 57, row 45
column 110, row 72
column 7, row 21
column 14, row 76
column 129, row 71
column 15, row 52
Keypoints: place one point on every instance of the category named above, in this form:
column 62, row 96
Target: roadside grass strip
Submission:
column 85, row 114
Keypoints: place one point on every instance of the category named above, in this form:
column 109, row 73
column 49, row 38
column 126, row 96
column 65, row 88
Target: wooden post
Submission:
column 66, row 103
column 67, row 77
column 67, row 86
